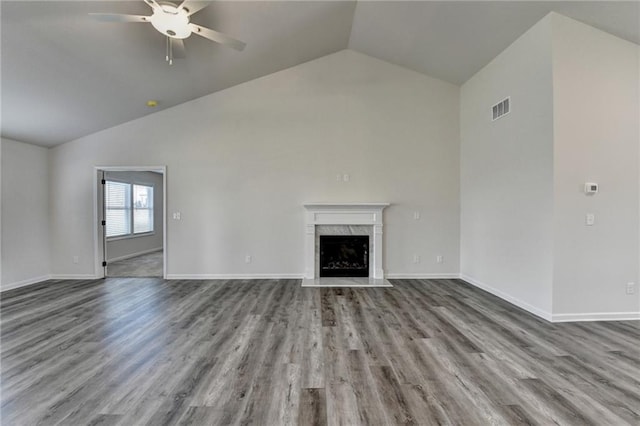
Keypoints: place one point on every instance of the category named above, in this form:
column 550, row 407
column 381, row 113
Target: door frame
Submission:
column 98, row 197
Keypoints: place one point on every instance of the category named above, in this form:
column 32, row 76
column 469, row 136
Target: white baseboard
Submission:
column 597, row 316
column 24, row 283
column 74, row 277
column 502, row 295
column 422, row 276
column 235, row 276
column 140, row 253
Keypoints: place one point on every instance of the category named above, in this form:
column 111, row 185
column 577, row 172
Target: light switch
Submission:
column 590, row 219
column 176, row 215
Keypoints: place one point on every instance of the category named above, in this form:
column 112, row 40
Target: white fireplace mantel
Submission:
column 344, row 214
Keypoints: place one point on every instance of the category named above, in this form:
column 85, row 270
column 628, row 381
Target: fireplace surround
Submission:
column 344, row 219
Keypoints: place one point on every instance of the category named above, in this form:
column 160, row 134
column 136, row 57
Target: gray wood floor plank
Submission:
column 341, row 399
column 393, row 400
column 313, row 353
column 313, row 408
column 456, row 365
column 132, row 351
column 369, row 405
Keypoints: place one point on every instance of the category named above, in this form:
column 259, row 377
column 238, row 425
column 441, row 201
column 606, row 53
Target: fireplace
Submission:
column 344, row 256
column 340, row 220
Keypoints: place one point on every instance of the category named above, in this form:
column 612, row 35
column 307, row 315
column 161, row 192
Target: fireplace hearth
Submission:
column 344, row 256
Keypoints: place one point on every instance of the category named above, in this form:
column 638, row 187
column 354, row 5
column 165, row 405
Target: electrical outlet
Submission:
column 346, row 177
column 176, row 216
column 438, row 259
column 631, row 288
column 247, row 259
column 416, row 258
column 416, row 215
column 76, row 259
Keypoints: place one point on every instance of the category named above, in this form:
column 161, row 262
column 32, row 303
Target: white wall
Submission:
column 596, row 115
column 241, row 162
column 507, row 174
column 25, row 220
column 575, row 118
column 123, row 248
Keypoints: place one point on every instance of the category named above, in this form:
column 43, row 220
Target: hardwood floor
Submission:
column 145, row 265
column 147, row 351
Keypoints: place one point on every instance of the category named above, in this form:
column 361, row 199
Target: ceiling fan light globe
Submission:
column 171, row 21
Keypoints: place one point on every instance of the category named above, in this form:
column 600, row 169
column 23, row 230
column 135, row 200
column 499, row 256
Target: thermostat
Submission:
column 590, row 188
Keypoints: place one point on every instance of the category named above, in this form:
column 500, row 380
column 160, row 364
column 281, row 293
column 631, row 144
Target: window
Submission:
column 142, row 209
column 129, row 209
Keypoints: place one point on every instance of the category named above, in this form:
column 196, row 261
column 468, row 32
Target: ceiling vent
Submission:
column 501, row 109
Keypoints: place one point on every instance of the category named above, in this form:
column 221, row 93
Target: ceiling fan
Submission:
column 174, row 22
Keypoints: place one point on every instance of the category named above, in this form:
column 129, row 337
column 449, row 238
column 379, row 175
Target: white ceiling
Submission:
column 65, row 75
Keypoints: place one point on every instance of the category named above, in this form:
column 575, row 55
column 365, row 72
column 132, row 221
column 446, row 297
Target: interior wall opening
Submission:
column 131, row 225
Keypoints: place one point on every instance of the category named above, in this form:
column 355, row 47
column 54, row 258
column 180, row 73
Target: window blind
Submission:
column 118, row 208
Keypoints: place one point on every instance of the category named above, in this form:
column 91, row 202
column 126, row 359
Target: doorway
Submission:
column 131, row 221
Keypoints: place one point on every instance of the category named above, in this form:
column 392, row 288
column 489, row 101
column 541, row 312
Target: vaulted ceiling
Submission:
column 65, row 75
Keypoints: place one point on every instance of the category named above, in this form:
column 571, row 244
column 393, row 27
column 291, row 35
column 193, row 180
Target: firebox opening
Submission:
column 344, row 255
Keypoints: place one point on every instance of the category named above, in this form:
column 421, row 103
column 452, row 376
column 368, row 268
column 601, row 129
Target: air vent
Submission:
column 501, row 109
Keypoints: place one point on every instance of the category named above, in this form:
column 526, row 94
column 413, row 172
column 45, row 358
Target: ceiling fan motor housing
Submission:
column 171, row 21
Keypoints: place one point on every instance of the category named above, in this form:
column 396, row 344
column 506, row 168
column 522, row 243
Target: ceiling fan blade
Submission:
column 179, row 51
column 217, row 37
column 115, row 17
column 193, row 6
